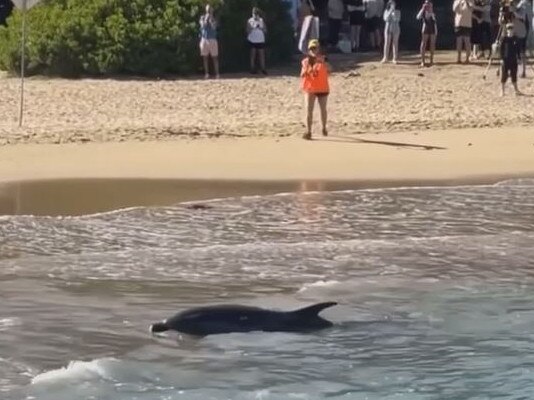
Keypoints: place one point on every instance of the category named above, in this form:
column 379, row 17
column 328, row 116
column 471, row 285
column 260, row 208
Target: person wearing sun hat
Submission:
column 314, row 75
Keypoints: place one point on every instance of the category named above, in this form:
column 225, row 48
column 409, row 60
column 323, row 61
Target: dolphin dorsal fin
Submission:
column 314, row 310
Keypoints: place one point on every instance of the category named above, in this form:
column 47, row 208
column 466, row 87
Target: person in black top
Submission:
column 510, row 55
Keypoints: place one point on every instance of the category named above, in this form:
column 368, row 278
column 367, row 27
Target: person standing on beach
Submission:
column 463, row 22
column 476, row 29
column 485, row 29
column 356, row 11
column 392, row 17
column 314, row 75
column 530, row 20
column 209, row 46
column 429, row 31
column 521, row 32
column 256, row 31
column 373, row 15
column 510, row 54
column 336, row 8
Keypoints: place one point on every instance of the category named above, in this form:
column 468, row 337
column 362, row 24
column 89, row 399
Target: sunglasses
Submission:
column 313, row 48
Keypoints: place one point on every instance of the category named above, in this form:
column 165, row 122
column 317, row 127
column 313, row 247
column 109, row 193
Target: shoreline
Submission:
column 74, row 179
column 85, row 196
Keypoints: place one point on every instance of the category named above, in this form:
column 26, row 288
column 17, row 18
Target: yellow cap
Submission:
column 313, row 43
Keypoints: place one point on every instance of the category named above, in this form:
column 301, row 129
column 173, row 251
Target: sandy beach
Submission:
column 120, row 143
column 367, row 97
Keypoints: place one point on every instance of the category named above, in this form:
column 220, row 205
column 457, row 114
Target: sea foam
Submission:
column 77, row 371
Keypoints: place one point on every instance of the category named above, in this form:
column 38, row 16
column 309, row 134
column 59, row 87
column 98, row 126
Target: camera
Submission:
column 506, row 14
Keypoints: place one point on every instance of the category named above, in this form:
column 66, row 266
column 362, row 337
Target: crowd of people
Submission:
column 483, row 29
column 256, row 31
column 376, row 25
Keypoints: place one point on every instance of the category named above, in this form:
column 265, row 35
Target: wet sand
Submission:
column 74, row 179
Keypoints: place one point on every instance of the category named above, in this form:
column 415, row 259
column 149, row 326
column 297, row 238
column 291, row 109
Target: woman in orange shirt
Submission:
column 314, row 74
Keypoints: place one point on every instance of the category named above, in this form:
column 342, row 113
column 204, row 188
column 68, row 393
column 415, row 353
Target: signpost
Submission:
column 23, row 5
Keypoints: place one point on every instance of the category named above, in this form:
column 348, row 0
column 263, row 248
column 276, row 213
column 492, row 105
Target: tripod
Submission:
column 495, row 49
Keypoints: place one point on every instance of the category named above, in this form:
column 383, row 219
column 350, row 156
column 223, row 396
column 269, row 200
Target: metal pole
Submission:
column 22, row 61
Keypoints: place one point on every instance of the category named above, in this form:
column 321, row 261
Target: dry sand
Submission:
column 390, row 126
column 366, row 97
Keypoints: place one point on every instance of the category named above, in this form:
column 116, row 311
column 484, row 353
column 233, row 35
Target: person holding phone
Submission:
column 314, row 80
column 429, row 31
column 392, row 18
column 256, row 31
column 463, row 24
column 208, row 41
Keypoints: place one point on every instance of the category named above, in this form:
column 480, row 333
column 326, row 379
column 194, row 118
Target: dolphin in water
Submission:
column 210, row 320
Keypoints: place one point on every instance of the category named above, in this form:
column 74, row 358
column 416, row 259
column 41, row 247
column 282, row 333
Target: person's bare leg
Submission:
column 432, row 48
column 387, row 44
column 423, row 49
column 378, row 39
column 261, row 52
column 357, row 33
column 372, row 41
column 476, row 51
column 353, row 37
column 205, row 60
column 323, row 100
column 459, row 41
column 216, row 66
column 467, row 41
column 253, row 60
column 503, row 86
column 309, row 101
column 516, row 89
column 396, row 48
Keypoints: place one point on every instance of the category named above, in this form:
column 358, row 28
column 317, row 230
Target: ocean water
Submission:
column 435, row 288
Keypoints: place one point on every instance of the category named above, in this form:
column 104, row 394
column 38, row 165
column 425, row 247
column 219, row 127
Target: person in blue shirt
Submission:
column 209, row 46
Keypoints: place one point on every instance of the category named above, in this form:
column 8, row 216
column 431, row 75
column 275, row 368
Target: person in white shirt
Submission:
column 392, row 18
column 256, row 30
column 463, row 22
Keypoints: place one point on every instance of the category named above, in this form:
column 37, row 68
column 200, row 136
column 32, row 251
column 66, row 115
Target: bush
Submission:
column 136, row 37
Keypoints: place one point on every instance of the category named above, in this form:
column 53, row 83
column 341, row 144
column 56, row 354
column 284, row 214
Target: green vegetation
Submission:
column 135, row 37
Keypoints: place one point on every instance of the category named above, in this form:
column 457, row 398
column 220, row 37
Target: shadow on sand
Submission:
column 348, row 139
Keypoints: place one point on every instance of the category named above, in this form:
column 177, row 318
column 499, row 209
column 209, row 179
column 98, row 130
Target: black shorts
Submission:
column 324, row 94
column 476, row 33
column 462, row 31
column 372, row 24
column 429, row 28
column 356, row 18
column 258, row 46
